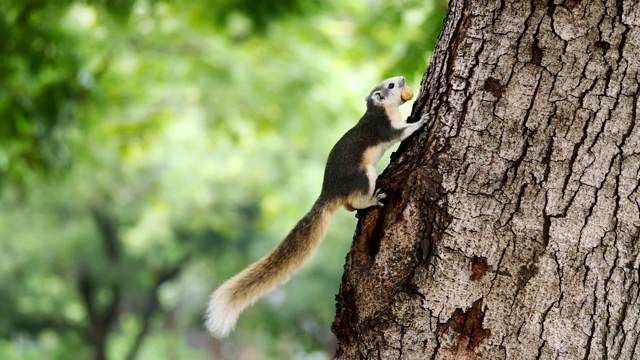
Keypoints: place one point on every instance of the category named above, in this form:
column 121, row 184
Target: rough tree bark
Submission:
column 512, row 225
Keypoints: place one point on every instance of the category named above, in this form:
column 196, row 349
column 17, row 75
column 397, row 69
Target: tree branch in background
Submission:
column 101, row 320
column 153, row 304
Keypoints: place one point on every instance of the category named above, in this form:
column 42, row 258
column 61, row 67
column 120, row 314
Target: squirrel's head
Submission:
column 391, row 92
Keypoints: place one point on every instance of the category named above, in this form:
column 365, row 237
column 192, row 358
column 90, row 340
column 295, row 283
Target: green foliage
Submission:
column 261, row 13
column 39, row 90
column 151, row 149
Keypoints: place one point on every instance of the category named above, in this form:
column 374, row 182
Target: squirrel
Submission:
column 349, row 181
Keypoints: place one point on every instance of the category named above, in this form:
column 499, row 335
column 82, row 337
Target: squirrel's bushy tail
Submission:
column 245, row 288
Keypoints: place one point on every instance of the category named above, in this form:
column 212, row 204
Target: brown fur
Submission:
column 245, row 288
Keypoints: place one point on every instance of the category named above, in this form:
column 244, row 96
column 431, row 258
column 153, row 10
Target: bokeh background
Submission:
column 151, row 149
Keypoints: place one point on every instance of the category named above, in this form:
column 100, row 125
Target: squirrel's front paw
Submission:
column 377, row 196
column 424, row 118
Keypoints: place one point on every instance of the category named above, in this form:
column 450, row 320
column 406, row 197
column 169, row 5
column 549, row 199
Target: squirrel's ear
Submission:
column 377, row 96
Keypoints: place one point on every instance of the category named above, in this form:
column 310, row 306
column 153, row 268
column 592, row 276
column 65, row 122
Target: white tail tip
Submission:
column 221, row 316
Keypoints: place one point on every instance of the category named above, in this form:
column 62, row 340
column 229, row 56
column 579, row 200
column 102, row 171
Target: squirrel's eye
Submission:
column 391, row 85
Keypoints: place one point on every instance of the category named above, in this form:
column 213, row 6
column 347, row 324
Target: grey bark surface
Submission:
column 512, row 226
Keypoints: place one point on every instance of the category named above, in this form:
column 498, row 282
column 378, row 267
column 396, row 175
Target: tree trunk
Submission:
column 512, row 226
